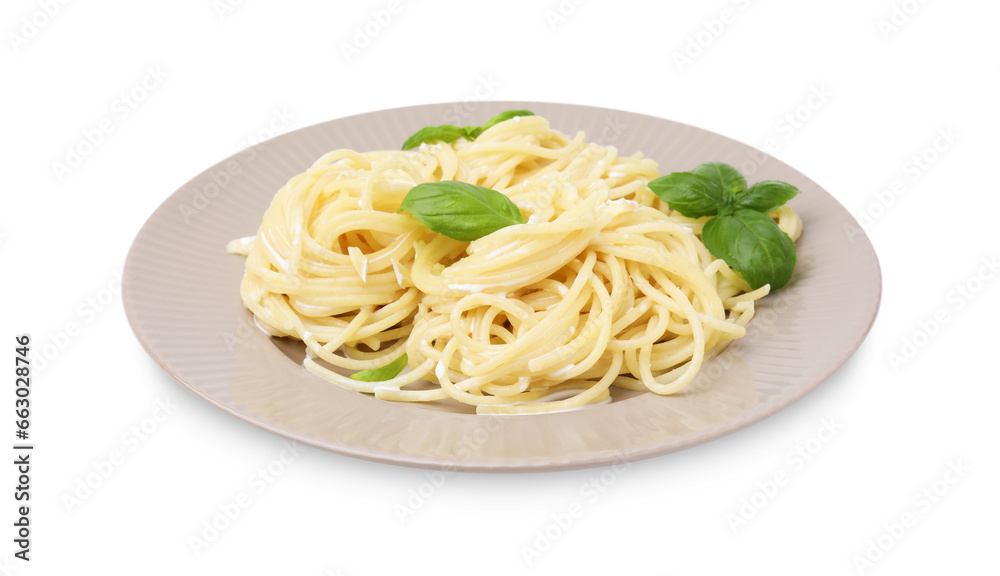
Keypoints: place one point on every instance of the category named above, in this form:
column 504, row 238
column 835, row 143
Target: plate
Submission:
column 181, row 295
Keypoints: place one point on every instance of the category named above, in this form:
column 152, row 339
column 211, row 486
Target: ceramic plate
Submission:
column 181, row 295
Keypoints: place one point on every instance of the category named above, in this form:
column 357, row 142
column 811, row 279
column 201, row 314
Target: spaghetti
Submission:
column 603, row 286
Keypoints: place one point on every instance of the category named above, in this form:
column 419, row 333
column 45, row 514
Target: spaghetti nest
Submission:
column 603, row 286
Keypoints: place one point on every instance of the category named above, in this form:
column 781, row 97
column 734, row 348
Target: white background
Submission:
column 888, row 78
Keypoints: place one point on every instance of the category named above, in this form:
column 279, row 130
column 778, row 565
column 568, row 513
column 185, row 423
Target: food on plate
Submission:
column 514, row 268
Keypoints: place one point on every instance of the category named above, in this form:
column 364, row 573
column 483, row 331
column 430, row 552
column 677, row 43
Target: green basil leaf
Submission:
column 443, row 133
column 724, row 179
column 459, row 210
column 387, row 372
column 450, row 133
column 688, row 193
column 766, row 196
column 752, row 244
column 507, row 115
column 473, row 132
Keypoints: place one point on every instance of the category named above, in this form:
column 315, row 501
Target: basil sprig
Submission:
column 460, row 210
column 450, row 133
column 443, row 133
column 504, row 116
column 740, row 232
column 387, row 372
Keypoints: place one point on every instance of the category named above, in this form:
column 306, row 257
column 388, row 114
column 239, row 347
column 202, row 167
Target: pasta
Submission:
column 603, row 286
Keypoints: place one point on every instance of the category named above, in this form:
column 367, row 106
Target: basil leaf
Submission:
column 507, row 115
column 766, row 196
column 473, row 132
column 450, row 133
column 752, row 244
column 443, row 133
column 459, row 210
column 387, row 372
column 724, row 179
column 688, row 193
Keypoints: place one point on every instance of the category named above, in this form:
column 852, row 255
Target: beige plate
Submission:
column 181, row 294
